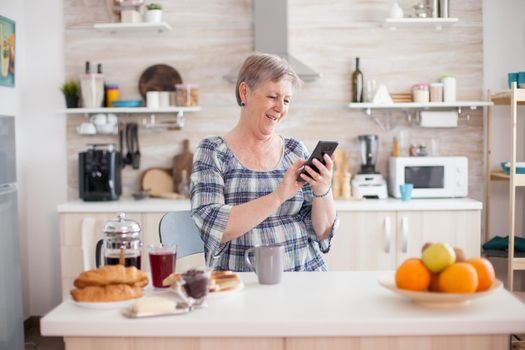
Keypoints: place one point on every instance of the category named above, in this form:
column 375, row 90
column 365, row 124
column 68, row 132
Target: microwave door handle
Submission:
column 404, row 234
column 388, row 234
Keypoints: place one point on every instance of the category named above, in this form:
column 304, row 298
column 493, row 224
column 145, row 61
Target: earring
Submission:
column 243, row 104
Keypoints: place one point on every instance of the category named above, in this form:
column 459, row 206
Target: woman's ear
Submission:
column 243, row 91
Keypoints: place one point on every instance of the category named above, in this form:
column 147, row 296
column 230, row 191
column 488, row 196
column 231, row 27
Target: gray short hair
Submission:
column 261, row 67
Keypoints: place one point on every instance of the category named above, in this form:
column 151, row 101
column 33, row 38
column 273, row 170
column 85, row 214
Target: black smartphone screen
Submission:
column 322, row 148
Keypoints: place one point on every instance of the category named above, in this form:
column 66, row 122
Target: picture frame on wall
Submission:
column 7, row 52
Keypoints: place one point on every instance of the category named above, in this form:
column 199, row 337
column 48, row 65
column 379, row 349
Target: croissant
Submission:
column 112, row 274
column 114, row 292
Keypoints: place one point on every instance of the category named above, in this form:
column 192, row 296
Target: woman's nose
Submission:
column 279, row 105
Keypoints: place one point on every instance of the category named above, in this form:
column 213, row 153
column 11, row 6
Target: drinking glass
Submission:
column 162, row 260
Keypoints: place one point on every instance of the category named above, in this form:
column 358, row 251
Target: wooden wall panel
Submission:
column 210, row 38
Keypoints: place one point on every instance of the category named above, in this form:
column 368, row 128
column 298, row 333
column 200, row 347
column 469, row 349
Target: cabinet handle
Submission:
column 87, row 232
column 388, row 234
column 404, row 233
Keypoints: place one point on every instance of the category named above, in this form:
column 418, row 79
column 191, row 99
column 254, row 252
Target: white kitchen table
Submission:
column 332, row 310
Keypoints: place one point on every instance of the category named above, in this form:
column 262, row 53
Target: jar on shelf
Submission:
column 112, row 94
column 436, row 92
column 187, row 95
column 420, row 93
column 449, row 88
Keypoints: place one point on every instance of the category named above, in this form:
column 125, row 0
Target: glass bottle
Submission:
column 357, row 83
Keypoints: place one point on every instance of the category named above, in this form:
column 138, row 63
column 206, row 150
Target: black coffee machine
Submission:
column 99, row 173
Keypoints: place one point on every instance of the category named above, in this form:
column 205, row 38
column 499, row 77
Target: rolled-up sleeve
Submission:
column 306, row 213
column 209, row 212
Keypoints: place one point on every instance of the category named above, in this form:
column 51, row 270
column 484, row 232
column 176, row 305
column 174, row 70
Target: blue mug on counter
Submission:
column 406, row 191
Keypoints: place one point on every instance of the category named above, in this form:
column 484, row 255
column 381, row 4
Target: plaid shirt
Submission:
column 219, row 182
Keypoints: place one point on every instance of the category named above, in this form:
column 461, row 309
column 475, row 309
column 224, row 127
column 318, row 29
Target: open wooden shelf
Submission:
column 499, row 175
column 512, row 98
column 119, row 26
column 504, row 97
column 414, row 105
column 438, row 23
column 130, row 110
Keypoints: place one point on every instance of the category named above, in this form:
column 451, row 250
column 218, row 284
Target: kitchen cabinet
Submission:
column 381, row 240
column 360, row 242
column 81, row 231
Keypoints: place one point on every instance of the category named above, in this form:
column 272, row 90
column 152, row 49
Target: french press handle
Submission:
column 98, row 252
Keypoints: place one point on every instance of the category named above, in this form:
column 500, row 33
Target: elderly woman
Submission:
column 244, row 188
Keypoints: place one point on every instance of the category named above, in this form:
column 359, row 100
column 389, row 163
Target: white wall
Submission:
column 42, row 150
column 504, row 51
column 40, row 144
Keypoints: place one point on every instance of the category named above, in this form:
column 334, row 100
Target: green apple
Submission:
column 438, row 256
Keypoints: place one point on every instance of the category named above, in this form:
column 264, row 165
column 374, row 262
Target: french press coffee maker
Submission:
column 121, row 244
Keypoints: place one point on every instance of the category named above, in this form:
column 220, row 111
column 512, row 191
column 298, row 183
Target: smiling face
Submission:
column 266, row 105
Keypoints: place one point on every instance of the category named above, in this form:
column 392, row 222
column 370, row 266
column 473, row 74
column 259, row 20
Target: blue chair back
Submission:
column 178, row 227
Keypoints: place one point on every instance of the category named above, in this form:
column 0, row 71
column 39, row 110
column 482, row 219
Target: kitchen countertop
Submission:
column 307, row 304
column 164, row 205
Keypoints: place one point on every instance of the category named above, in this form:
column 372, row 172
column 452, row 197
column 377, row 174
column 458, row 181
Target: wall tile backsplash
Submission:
column 209, row 38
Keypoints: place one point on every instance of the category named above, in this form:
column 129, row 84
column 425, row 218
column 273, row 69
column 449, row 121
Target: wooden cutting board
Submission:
column 157, row 180
column 182, row 162
column 159, row 77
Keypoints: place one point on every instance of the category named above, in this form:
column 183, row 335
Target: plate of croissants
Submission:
column 112, row 286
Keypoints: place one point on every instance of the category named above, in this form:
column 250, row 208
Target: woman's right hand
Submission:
column 289, row 187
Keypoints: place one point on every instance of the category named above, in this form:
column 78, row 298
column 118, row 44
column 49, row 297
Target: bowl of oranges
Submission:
column 442, row 276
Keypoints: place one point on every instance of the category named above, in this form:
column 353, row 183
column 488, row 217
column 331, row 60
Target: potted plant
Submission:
column 153, row 13
column 70, row 90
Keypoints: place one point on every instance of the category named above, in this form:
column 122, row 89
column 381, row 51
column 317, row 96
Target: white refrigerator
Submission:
column 11, row 315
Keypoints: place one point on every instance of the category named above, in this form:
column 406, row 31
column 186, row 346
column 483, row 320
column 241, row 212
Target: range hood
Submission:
column 271, row 36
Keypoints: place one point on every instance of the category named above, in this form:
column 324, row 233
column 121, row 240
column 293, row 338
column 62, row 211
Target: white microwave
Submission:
column 432, row 177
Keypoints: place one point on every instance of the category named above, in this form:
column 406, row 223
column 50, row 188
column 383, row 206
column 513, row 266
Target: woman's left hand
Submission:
column 322, row 180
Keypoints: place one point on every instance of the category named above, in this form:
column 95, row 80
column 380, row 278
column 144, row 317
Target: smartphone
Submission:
column 322, row 148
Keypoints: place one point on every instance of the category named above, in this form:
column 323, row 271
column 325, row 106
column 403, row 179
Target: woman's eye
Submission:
column 272, row 97
column 286, row 101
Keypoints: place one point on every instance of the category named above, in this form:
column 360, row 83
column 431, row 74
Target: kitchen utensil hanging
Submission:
column 128, row 159
column 121, row 144
column 136, row 149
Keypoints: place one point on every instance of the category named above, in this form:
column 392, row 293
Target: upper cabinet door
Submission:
column 364, row 241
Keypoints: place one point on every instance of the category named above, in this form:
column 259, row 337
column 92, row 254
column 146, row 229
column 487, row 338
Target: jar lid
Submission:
column 121, row 226
column 447, row 76
column 111, row 86
column 420, row 86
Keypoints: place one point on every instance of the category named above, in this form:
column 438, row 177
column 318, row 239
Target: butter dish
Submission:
column 155, row 306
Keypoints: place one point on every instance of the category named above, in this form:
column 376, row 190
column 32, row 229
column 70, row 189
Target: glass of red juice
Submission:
column 162, row 259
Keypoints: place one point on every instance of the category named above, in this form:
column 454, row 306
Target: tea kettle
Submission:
column 121, row 243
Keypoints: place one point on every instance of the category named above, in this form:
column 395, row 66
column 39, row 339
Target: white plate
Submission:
column 214, row 295
column 105, row 305
column 434, row 298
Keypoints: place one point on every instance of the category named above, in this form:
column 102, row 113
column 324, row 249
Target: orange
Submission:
column 412, row 274
column 486, row 273
column 459, row 277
